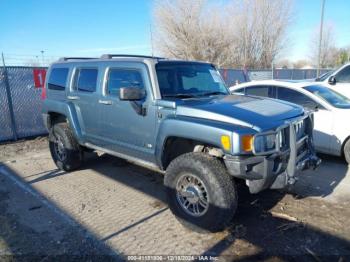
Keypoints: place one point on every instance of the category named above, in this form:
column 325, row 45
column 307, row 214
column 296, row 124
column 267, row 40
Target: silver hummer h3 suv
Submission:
column 178, row 118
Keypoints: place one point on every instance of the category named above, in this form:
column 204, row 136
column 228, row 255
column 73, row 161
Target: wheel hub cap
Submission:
column 192, row 195
column 59, row 148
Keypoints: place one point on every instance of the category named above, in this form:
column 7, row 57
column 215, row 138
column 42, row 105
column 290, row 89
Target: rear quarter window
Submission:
column 258, row 91
column 58, row 79
column 240, row 90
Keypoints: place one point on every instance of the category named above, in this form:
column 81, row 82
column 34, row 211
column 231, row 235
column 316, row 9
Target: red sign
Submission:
column 39, row 77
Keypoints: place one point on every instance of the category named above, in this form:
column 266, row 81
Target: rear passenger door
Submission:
column 84, row 97
column 125, row 128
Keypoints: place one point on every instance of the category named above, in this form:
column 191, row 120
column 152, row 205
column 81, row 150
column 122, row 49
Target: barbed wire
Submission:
column 12, row 59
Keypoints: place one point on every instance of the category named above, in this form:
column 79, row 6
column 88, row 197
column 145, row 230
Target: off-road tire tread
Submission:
column 347, row 151
column 215, row 172
column 75, row 155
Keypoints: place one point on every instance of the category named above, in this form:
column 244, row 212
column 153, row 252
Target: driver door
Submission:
column 128, row 127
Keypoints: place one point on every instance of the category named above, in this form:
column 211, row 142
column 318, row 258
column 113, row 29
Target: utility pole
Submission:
column 151, row 35
column 272, row 69
column 42, row 57
column 320, row 40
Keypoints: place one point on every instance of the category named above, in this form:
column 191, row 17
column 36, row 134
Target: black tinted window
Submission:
column 241, row 90
column 58, row 79
column 86, row 80
column 294, row 97
column 118, row 78
column 343, row 76
column 258, row 91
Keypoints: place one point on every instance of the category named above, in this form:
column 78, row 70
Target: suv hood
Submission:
column 261, row 114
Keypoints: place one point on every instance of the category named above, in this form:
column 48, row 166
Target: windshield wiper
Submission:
column 180, row 95
column 213, row 93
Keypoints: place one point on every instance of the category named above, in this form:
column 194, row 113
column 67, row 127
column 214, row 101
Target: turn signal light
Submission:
column 247, row 143
column 226, row 142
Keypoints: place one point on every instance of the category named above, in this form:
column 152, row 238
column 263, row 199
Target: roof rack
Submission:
column 110, row 56
column 74, row 58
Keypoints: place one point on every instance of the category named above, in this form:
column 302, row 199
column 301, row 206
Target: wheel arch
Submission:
column 343, row 146
column 175, row 146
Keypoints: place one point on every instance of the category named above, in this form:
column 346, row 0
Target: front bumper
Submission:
column 279, row 169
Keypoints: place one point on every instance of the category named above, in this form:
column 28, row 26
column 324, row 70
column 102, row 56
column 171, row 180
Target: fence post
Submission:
column 9, row 99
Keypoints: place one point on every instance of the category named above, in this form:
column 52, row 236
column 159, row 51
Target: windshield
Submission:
column 330, row 96
column 186, row 80
column 324, row 76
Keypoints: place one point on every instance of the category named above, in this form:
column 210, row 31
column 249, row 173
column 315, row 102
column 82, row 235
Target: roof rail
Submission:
column 74, row 58
column 110, row 56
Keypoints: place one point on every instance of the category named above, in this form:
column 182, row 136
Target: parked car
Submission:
column 331, row 128
column 338, row 80
column 177, row 118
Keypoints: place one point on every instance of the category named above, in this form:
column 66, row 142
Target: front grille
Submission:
column 283, row 137
column 299, row 128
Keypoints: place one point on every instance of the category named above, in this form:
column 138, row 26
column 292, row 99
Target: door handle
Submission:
column 105, row 102
column 73, row 97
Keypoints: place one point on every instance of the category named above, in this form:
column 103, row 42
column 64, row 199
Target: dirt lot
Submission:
column 110, row 209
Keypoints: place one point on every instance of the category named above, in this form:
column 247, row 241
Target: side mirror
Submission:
column 332, row 80
column 131, row 93
column 311, row 106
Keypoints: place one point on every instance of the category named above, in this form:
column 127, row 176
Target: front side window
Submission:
column 343, row 76
column 118, row 78
column 86, row 79
column 58, row 79
column 295, row 97
column 184, row 79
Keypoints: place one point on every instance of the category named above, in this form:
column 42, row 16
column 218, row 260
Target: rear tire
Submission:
column 347, row 151
column 64, row 148
column 200, row 192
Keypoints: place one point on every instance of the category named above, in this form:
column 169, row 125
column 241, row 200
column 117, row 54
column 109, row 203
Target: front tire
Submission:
column 347, row 151
column 65, row 150
column 200, row 192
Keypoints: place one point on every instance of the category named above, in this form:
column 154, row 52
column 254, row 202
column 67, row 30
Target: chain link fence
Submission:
column 234, row 76
column 21, row 103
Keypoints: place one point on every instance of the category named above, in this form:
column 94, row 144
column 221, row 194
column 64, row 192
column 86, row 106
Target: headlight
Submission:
column 265, row 143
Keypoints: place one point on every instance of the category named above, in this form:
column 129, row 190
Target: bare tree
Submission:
column 302, row 63
column 260, row 30
column 187, row 30
column 328, row 50
column 238, row 33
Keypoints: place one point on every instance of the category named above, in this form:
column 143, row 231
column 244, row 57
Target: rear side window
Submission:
column 86, row 79
column 118, row 78
column 58, row 79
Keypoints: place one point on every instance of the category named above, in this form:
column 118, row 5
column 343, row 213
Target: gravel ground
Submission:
column 10, row 150
column 110, row 209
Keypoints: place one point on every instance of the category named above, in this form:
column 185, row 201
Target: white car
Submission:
column 332, row 115
column 338, row 80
